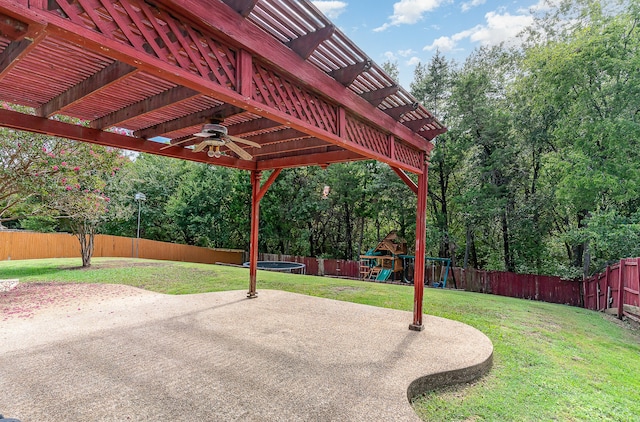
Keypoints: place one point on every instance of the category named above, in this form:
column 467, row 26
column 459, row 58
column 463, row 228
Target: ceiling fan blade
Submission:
column 241, row 153
column 178, row 143
column 243, row 141
column 201, row 146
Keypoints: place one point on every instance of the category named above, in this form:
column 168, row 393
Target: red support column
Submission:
column 257, row 193
column 255, row 226
column 421, row 238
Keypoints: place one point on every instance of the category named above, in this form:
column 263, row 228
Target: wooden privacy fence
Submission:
column 318, row 266
column 524, row 286
column 617, row 289
column 28, row 245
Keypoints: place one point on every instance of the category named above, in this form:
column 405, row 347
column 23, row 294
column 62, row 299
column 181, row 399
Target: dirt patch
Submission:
column 341, row 289
column 28, row 299
column 120, row 263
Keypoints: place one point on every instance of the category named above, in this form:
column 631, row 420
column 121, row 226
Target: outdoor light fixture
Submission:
column 139, row 197
column 214, row 153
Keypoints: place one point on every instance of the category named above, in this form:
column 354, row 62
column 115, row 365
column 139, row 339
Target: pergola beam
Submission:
column 223, row 111
column 12, row 54
column 12, row 29
column 227, row 20
column 321, row 159
column 418, row 124
column 397, row 112
column 287, row 146
column 378, row 96
column 305, row 45
column 107, row 76
column 406, row 179
column 252, row 126
column 348, row 74
column 36, row 124
column 166, row 98
column 243, row 7
column 276, row 136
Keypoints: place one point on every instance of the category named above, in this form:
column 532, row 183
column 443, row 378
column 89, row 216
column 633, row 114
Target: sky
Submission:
column 410, row 31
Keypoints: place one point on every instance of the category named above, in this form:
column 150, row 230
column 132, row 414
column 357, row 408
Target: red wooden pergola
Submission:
column 276, row 72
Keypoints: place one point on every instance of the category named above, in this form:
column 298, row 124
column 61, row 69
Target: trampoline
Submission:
column 280, row 266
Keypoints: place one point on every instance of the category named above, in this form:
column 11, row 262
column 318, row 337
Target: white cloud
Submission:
column 501, row 28
column 497, row 28
column 390, row 55
column 406, row 53
column 407, row 12
column 332, row 9
column 541, row 6
column 413, row 61
column 471, row 4
column 444, row 44
column 447, row 44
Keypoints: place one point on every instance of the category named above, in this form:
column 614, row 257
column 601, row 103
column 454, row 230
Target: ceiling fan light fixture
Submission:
column 214, row 153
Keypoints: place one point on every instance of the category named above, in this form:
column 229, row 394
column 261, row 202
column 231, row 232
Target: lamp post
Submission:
column 139, row 197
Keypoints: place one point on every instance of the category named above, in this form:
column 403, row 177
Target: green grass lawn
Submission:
column 551, row 362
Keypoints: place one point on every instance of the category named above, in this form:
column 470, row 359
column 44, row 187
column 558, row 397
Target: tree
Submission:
column 587, row 76
column 26, row 169
column 211, row 207
column 391, row 68
column 480, row 98
column 76, row 194
column 159, row 179
column 433, row 85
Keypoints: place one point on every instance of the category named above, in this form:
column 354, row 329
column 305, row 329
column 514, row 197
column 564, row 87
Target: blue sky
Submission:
column 410, row 31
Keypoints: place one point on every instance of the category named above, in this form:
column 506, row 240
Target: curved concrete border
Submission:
column 448, row 378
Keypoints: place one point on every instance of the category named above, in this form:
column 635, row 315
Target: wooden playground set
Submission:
column 389, row 261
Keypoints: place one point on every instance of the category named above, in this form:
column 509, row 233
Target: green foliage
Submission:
column 39, row 223
column 542, row 144
column 611, row 236
column 210, row 207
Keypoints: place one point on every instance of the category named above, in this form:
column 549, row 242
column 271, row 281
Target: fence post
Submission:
column 638, row 277
column 621, row 289
column 606, row 284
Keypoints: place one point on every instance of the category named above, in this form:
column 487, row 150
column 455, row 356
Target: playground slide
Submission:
column 384, row 275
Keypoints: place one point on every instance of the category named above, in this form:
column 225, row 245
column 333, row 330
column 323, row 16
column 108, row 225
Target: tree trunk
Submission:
column 348, row 232
column 508, row 262
column 85, row 232
column 578, row 250
column 444, row 250
column 474, row 253
column 467, row 248
column 312, row 243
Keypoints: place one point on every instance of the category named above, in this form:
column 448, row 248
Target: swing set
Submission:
column 389, row 261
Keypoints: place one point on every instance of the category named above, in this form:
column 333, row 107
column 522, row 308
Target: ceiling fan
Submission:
column 214, row 136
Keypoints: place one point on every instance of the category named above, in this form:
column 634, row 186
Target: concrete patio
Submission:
column 143, row 356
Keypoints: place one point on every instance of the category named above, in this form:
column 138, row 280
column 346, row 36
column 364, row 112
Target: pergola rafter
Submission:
column 276, row 72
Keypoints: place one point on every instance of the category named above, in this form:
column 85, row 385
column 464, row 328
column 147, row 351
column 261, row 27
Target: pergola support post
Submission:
column 255, row 227
column 421, row 239
column 257, row 193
